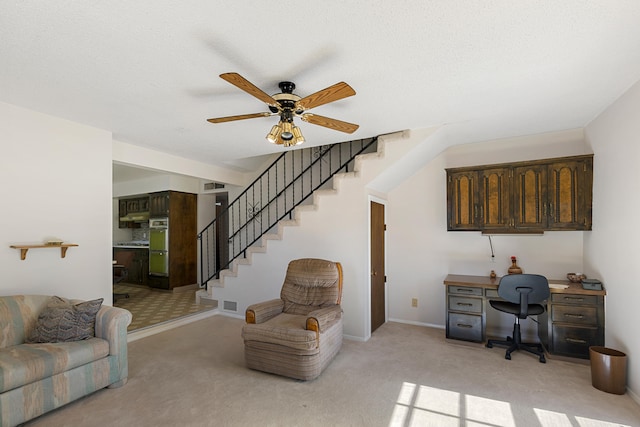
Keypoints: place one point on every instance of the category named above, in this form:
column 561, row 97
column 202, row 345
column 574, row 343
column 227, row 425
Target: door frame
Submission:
column 382, row 202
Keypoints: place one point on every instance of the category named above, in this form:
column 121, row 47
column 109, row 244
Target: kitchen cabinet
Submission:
column 136, row 261
column 132, row 212
column 159, row 204
column 521, row 197
column 181, row 246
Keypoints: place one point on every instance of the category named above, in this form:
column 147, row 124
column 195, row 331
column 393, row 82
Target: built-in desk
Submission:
column 573, row 321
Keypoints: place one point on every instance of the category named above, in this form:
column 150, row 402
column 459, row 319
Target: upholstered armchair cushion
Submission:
column 300, row 333
column 310, row 284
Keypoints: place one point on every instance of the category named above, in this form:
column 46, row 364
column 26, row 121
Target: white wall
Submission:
column 337, row 229
column 138, row 156
column 420, row 251
column 56, row 182
column 613, row 247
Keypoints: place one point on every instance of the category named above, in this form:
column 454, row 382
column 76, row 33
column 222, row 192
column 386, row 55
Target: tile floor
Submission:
column 153, row 306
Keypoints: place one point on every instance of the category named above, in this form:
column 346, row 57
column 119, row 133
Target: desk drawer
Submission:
column 574, row 314
column 574, row 299
column 464, row 327
column 574, row 340
column 469, row 305
column 464, row 290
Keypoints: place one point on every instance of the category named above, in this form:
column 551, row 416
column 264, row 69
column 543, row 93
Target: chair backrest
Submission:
column 310, row 284
column 524, row 289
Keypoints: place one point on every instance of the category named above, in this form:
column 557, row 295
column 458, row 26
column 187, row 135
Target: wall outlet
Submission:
column 414, row 302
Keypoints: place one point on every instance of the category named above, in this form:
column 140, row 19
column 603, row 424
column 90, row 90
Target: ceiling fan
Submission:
column 288, row 105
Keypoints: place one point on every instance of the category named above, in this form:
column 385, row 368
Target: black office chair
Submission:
column 120, row 273
column 522, row 295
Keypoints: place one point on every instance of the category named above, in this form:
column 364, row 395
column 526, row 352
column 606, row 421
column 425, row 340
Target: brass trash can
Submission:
column 608, row 369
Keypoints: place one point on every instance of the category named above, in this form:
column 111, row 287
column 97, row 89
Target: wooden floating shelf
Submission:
column 24, row 248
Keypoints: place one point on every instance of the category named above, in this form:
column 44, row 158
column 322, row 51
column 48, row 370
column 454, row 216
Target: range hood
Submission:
column 135, row 217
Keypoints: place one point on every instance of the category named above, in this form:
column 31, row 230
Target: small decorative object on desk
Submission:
column 493, row 274
column 592, row 284
column 576, row 277
column 514, row 269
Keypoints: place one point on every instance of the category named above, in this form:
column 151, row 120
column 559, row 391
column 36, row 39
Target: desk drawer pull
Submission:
column 573, row 299
column 464, row 304
column 463, row 325
column 575, row 316
column 575, row 341
column 464, row 290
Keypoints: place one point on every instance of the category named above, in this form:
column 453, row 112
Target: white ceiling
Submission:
column 148, row 71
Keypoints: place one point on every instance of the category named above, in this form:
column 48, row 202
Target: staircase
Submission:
column 267, row 205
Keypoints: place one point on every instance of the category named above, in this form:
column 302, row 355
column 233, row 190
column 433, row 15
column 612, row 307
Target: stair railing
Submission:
column 285, row 184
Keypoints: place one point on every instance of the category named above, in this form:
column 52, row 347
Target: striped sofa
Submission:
column 298, row 334
column 37, row 378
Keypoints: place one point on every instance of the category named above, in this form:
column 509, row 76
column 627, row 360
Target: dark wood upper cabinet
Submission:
column 159, row 204
column 530, row 211
column 129, row 207
column 495, row 191
column 570, row 187
column 522, row 197
column 462, row 200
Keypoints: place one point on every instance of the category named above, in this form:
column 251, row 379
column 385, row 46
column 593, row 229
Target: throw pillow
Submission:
column 63, row 321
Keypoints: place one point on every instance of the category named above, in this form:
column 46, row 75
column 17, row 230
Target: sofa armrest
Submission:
column 111, row 325
column 263, row 311
column 319, row 319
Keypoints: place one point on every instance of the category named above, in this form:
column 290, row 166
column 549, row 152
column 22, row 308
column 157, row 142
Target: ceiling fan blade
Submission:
column 324, row 96
column 329, row 123
column 240, row 117
column 244, row 84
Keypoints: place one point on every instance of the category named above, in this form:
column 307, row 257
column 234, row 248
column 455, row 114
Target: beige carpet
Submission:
column 150, row 306
column 404, row 375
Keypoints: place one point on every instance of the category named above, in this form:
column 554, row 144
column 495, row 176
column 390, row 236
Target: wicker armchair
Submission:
column 300, row 333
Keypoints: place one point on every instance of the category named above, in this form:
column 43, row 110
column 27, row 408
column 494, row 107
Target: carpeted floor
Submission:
column 405, row 375
column 153, row 306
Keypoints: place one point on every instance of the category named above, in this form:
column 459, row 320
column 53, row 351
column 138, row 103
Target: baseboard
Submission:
column 170, row 324
column 411, row 322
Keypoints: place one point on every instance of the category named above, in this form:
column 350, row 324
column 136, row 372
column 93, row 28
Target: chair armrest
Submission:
column 263, row 311
column 319, row 319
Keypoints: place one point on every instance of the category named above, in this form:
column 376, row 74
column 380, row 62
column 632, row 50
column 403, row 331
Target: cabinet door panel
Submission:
column 462, row 194
column 159, row 204
column 569, row 197
column 495, row 212
column 530, row 188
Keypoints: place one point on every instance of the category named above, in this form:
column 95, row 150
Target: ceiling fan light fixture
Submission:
column 274, row 135
column 297, row 135
column 287, row 131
